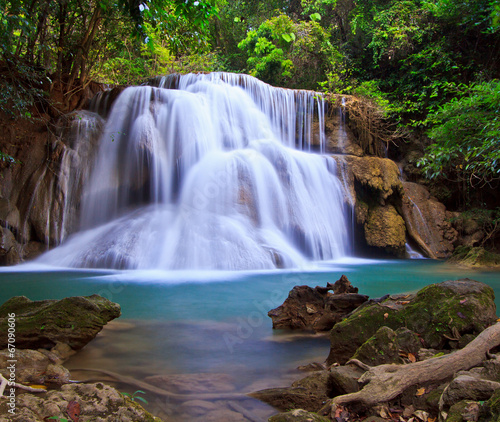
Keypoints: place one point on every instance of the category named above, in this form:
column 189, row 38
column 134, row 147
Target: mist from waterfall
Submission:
column 205, row 172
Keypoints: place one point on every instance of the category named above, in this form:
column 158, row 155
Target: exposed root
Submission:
column 385, row 382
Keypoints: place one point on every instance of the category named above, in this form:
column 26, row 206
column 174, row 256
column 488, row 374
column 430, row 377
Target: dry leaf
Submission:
column 386, row 315
column 41, row 387
column 420, row 392
column 423, row 416
column 405, row 302
column 412, row 358
column 430, row 419
column 73, row 410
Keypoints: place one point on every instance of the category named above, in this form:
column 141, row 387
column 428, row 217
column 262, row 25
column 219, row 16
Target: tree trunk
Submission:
column 84, row 47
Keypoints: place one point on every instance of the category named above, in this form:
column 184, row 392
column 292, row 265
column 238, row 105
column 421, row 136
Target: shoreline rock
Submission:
column 316, row 309
column 74, row 321
column 402, row 329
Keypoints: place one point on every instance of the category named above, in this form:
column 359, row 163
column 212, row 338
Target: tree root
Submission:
column 385, row 382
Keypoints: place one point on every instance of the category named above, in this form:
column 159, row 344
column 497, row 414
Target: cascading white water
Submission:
column 217, row 173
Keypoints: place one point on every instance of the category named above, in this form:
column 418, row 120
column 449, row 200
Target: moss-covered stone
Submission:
column 439, row 313
column 475, row 257
column 41, row 324
column 491, row 409
column 385, row 346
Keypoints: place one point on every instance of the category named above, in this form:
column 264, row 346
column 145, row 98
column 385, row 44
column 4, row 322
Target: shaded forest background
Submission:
column 428, row 69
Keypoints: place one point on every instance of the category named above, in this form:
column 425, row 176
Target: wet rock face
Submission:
column 428, row 222
column 440, row 314
column 377, row 192
column 385, row 229
column 316, row 308
column 42, row 324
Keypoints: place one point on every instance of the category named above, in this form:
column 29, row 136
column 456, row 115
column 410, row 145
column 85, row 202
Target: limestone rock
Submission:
column 428, row 222
column 97, row 403
column 379, row 175
column 439, row 313
column 308, row 393
column 34, row 367
column 467, row 387
column 344, row 380
column 42, row 324
column 10, row 250
column 385, row 229
column 316, row 309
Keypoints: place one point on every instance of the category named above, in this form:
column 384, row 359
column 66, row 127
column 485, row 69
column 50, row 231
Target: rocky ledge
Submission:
column 413, row 357
column 39, row 388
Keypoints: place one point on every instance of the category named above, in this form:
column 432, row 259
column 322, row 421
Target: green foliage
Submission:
column 466, row 135
column 135, row 396
column 282, row 52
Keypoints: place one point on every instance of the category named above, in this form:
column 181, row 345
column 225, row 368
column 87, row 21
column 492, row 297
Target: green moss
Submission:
column 438, row 313
column 475, row 257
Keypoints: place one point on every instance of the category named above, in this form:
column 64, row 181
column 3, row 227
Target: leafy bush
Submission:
column 466, row 135
column 283, row 52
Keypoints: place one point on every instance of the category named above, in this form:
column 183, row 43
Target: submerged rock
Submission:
column 439, row 314
column 309, row 393
column 316, row 308
column 43, row 324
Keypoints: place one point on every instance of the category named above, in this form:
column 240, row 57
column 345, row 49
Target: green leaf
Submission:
column 315, row 17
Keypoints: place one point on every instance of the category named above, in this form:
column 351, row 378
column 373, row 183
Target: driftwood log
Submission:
column 385, row 382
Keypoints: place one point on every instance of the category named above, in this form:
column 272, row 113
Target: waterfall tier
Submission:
column 215, row 171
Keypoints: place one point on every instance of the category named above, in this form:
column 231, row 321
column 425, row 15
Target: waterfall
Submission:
column 210, row 171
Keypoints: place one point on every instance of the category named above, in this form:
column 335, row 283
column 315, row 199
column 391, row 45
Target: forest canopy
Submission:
column 428, row 65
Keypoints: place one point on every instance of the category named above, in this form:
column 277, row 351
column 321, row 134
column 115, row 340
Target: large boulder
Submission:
column 42, row 324
column 376, row 194
column 385, row 229
column 440, row 314
column 34, row 367
column 427, row 221
column 309, row 393
column 317, row 309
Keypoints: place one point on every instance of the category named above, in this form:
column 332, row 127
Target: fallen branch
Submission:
column 4, row 382
column 385, row 382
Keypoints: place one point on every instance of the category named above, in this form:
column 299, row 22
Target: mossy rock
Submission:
column 491, row 409
column 475, row 257
column 41, row 324
column 438, row 313
column 385, row 346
